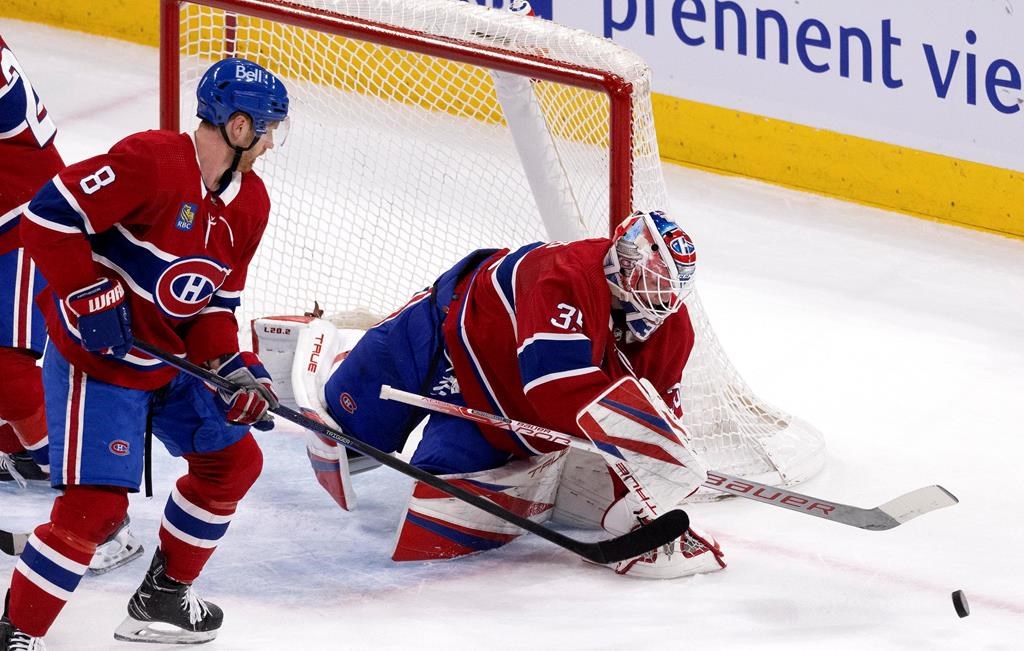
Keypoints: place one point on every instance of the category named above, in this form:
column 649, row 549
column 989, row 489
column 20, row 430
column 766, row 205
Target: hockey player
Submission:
column 550, row 334
column 153, row 240
column 29, row 158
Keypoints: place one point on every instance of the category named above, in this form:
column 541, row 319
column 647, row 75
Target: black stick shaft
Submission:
column 661, row 531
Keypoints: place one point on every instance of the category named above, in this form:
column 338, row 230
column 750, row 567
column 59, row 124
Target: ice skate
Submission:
column 165, row 611
column 19, row 467
column 119, row 549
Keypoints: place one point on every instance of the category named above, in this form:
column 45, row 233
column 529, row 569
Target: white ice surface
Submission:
column 899, row 338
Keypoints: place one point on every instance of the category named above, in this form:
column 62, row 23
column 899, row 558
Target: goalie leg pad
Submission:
column 437, row 526
column 586, row 490
column 303, row 349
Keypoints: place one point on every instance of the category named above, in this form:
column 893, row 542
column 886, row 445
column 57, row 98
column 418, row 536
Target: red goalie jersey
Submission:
column 141, row 214
column 532, row 336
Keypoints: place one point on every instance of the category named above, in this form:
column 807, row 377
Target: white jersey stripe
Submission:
column 16, row 302
column 70, row 198
column 46, row 223
column 12, row 214
column 472, row 353
column 551, row 377
column 155, row 250
column 552, row 336
column 27, row 306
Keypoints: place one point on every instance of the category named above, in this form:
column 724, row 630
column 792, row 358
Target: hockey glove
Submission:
column 104, row 323
column 255, row 396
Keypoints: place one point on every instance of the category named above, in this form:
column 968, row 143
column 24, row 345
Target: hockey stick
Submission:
column 13, row 543
column 891, row 514
column 660, row 531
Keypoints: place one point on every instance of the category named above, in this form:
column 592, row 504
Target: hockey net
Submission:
column 423, row 129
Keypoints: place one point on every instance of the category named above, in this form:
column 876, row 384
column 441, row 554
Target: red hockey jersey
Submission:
column 531, row 337
column 141, row 214
column 28, row 157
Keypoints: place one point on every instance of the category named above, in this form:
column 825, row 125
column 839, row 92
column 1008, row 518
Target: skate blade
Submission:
column 109, row 564
column 132, row 630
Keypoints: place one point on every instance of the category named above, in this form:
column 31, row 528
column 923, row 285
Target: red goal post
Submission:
column 618, row 90
column 422, row 129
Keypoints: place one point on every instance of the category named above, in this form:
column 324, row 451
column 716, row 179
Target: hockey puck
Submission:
column 960, row 604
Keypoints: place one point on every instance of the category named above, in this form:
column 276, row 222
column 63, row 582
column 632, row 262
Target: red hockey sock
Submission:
column 58, row 554
column 202, row 504
column 21, row 400
column 9, row 442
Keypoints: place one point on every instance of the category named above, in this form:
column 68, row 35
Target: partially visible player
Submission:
column 153, row 240
column 28, row 158
column 551, row 334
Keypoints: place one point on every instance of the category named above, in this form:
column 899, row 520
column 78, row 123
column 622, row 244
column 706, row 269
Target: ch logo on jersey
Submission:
column 348, row 403
column 187, row 286
column 186, row 217
column 120, row 447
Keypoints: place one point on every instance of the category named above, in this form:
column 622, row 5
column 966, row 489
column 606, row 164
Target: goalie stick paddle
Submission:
column 891, row 514
column 658, row 532
column 12, row 543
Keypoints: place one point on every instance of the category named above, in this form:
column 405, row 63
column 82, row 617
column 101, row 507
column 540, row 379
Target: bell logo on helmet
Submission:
column 241, row 86
column 253, row 75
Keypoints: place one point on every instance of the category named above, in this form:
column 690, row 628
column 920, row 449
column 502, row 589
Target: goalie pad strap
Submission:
column 437, row 526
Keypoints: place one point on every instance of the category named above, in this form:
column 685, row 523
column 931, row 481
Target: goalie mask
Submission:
column 650, row 268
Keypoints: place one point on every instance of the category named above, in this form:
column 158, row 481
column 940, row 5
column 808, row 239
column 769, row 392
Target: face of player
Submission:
column 653, row 288
column 276, row 132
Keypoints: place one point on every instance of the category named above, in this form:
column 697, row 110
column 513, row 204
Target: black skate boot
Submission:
column 19, row 467
column 11, row 639
column 165, row 611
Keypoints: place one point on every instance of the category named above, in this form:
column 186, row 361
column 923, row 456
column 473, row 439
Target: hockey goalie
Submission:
column 587, row 337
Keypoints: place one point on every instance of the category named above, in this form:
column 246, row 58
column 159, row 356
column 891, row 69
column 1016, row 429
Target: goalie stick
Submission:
column 658, row 532
column 12, row 543
column 891, row 514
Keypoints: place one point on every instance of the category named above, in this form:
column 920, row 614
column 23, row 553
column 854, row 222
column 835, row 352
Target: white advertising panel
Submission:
column 943, row 76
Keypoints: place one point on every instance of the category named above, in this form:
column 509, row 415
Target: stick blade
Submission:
column 916, row 503
column 661, row 531
column 13, row 543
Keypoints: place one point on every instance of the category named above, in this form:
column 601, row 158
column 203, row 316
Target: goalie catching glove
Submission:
column 255, row 397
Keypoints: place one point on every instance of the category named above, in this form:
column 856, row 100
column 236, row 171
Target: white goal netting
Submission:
column 405, row 154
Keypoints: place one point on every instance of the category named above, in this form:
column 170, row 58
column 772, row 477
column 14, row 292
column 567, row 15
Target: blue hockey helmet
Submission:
column 238, row 85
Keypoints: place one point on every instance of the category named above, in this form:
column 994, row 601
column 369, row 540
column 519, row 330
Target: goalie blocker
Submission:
column 644, row 467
